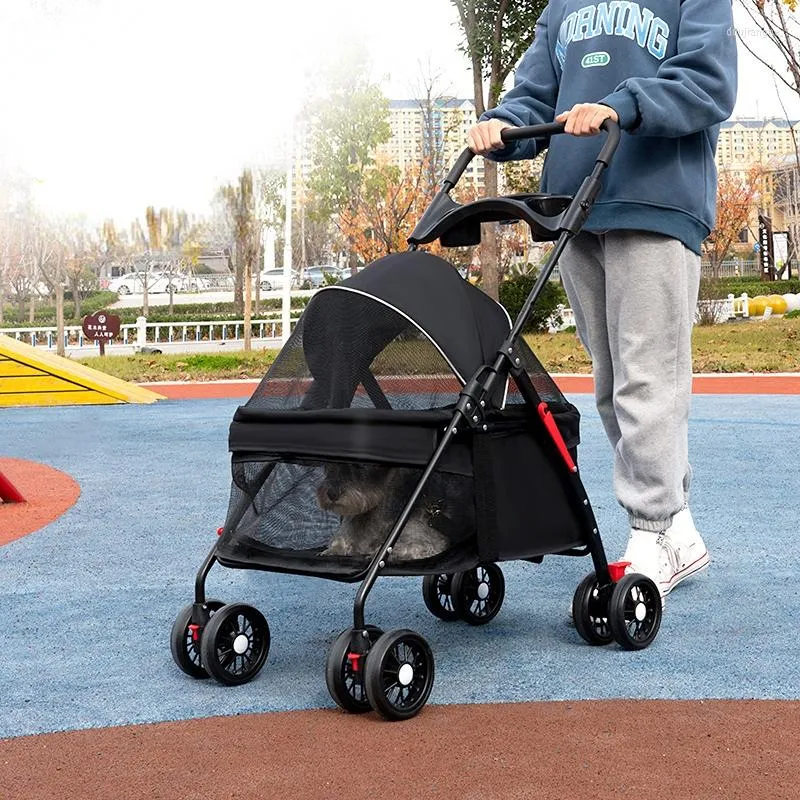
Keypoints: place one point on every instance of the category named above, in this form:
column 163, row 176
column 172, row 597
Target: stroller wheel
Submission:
column 185, row 644
column 399, row 674
column 235, row 644
column 590, row 612
column 438, row 597
column 478, row 593
column 634, row 612
column 345, row 684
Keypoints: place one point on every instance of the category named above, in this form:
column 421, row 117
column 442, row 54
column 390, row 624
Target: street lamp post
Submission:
column 287, row 252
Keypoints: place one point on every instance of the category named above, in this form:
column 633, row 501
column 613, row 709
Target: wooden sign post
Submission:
column 101, row 328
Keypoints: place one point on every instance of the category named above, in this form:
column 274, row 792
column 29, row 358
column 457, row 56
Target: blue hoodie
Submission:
column 668, row 68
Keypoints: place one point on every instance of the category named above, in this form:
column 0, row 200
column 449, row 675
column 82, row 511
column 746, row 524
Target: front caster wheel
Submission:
column 478, row 593
column 399, row 674
column 235, row 644
column 184, row 640
column 634, row 612
column 345, row 680
column 438, row 596
column 590, row 612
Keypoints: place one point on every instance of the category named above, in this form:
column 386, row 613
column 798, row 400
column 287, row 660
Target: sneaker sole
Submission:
column 692, row 569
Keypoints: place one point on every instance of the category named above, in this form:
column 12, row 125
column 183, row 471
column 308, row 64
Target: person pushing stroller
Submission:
column 666, row 72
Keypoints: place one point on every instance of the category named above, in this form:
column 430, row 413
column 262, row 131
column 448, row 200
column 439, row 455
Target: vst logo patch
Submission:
column 599, row 59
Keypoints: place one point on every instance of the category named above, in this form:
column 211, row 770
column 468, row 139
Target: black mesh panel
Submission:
column 352, row 351
column 341, row 512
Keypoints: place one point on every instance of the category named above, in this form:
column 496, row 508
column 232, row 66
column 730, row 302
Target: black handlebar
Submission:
column 536, row 132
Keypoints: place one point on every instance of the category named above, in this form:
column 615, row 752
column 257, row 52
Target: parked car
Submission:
column 272, row 280
column 134, row 283
column 314, row 277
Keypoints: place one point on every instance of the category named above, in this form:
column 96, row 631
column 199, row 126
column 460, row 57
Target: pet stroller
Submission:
column 404, row 410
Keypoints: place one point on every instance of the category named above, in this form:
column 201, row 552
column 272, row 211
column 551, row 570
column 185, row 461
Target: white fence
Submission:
column 144, row 333
column 152, row 334
column 724, row 309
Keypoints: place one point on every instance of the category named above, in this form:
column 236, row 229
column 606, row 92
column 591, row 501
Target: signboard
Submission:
column 101, row 327
column 767, row 255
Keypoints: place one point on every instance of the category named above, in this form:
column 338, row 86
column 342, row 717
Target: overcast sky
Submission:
column 113, row 105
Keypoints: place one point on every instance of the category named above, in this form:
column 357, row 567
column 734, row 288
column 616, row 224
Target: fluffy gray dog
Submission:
column 369, row 498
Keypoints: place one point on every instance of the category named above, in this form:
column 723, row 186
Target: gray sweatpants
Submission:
column 634, row 295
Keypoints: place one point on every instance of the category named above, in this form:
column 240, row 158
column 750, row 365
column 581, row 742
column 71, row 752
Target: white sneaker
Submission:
column 667, row 558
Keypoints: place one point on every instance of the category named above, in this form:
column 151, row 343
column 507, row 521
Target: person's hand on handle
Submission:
column 585, row 119
column 484, row 137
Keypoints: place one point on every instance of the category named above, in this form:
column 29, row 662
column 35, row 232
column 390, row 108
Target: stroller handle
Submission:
column 536, row 132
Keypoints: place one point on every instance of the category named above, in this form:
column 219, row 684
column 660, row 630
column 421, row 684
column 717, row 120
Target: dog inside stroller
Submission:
column 402, row 430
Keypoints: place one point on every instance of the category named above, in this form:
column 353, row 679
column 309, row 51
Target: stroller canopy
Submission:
column 464, row 324
column 406, row 333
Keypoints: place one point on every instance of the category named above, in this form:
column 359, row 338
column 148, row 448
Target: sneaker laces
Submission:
column 670, row 554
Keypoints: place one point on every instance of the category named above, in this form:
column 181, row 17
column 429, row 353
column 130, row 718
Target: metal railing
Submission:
column 143, row 333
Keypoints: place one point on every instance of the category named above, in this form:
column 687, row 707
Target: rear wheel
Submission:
column 478, row 593
column 634, row 612
column 438, row 596
column 590, row 612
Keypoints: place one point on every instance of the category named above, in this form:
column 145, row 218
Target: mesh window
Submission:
column 344, row 510
column 352, row 351
column 545, row 386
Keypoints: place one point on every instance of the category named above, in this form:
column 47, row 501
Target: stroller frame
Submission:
column 608, row 604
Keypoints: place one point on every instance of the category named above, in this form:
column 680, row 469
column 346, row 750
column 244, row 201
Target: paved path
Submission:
column 88, row 602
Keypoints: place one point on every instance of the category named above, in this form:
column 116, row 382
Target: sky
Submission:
column 114, row 105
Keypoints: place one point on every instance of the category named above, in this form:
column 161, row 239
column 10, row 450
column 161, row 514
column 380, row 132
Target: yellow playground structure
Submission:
column 32, row 377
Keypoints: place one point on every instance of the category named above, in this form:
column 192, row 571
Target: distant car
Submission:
column 272, row 280
column 314, row 277
column 157, row 283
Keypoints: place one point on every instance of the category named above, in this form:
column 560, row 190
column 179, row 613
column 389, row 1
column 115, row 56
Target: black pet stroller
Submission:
column 407, row 385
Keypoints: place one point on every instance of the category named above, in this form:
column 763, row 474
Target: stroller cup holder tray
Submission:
column 459, row 225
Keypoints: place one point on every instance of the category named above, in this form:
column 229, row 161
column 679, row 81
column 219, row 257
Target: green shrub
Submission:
column 514, row 292
column 45, row 315
column 754, row 287
column 194, row 312
column 792, row 314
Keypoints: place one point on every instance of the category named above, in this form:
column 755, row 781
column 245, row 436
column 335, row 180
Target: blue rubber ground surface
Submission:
column 87, row 603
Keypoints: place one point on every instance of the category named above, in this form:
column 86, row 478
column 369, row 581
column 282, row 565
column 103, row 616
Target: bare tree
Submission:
column 49, row 252
column 496, row 35
column 778, row 23
column 240, row 206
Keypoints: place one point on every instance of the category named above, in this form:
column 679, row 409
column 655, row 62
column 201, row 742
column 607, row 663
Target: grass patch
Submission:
column 144, row 368
column 771, row 345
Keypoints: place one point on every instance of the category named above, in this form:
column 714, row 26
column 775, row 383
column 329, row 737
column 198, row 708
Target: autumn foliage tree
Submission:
column 735, row 197
column 384, row 213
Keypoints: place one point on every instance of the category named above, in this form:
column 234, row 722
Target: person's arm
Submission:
column 532, row 101
column 695, row 88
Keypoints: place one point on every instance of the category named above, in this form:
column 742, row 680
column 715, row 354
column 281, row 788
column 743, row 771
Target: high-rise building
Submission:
column 436, row 131
column 746, row 142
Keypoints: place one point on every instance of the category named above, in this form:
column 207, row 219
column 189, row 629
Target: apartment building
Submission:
column 435, row 129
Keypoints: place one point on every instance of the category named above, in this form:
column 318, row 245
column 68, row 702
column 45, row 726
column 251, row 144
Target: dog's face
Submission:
column 352, row 489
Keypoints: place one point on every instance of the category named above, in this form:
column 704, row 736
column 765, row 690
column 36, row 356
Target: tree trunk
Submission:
column 248, row 303
column 490, row 256
column 238, row 281
column 60, row 318
column 76, row 300
column 32, row 309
